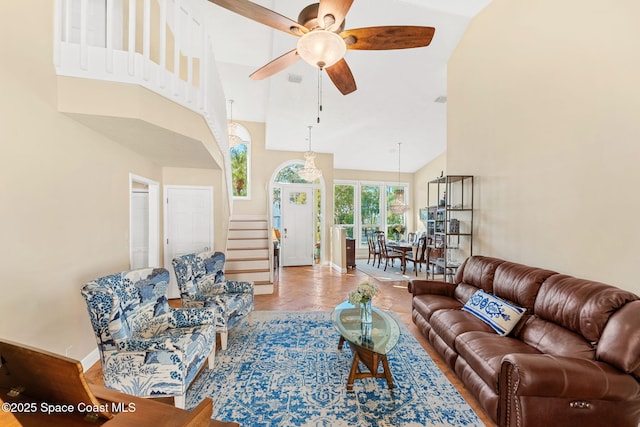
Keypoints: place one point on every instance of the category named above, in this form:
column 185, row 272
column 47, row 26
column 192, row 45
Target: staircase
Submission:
column 249, row 249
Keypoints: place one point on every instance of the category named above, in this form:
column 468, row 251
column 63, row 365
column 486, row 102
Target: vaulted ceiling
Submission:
column 400, row 96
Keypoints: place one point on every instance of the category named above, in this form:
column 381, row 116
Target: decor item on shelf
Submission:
column 234, row 138
column 309, row 172
column 323, row 43
column 398, row 206
column 454, row 226
column 362, row 297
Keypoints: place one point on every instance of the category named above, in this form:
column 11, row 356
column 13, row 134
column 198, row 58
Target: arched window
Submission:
column 241, row 162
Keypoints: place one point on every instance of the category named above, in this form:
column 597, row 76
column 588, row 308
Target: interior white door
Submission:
column 188, row 225
column 297, row 226
column 139, row 229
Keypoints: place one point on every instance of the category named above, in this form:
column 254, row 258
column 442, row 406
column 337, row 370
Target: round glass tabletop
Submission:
column 380, row 336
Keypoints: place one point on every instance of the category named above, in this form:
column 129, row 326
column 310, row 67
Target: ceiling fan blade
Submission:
column 388, row 37
column 337, row 8
column 341, row 76
column 262, row 15
column 277, row 65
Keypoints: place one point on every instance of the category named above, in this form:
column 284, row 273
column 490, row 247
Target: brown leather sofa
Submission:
column 573, row 359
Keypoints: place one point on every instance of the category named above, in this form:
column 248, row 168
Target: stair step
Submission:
column 249, row 217
column 247, row 244
column 262, row 288
column 250, row 270
column 249, row 276
column 248, row 225
column 241, row 253
column 246, row 265
column 248, row 234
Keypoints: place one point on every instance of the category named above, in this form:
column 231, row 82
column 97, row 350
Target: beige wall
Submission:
column 64, row 188
column 64, row 215
column 543, row 106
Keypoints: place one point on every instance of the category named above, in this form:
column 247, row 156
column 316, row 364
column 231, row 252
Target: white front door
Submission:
column 297, row 225
column 188, row 225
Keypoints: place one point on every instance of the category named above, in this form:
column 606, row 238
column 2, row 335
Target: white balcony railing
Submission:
column 162, row 45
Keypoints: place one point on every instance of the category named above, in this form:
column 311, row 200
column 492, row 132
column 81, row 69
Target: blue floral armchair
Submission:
column 201, row 280
column 148, row 349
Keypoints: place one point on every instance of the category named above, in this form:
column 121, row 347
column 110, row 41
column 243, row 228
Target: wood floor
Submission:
column 320, row 288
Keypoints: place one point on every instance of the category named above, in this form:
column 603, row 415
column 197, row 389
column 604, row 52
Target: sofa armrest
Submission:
column 434, row 287
column 544, row 375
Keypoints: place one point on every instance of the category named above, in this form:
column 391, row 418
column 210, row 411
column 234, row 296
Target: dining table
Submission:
column 404, row 248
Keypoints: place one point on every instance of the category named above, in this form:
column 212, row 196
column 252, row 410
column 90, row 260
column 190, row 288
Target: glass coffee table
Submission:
column 369, row 343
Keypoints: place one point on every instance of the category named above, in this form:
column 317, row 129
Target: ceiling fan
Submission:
column 323, row 41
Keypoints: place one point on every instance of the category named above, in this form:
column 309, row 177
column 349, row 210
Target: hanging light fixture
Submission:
column 309, row 172
column 234, row 138
column 398, row 206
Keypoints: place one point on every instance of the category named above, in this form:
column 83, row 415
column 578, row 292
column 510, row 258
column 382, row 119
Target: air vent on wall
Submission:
column 441, row 100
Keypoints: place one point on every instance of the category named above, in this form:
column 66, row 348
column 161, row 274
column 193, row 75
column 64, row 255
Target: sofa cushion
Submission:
column 497, row 313
column 518, row 283
column 582, row 306
column 448, row 324
column 427, row 304
column 483, row 352
column 547, row 337
column 476, row 272
column 620, row 342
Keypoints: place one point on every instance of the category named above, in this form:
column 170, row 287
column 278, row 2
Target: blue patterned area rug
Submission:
column 284, row 369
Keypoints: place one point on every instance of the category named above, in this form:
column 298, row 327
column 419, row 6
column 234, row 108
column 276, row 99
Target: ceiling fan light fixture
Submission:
column 321, row 48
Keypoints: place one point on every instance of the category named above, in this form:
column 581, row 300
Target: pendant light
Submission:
column 309, row 172
column 398, row 206
column 234, row 138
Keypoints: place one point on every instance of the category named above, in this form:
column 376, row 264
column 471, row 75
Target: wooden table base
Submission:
column 371, row 360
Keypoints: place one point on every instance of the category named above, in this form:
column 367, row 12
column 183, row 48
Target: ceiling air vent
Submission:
column 295, row 78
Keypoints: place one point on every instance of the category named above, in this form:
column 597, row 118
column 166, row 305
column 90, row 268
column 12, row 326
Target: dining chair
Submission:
column 373, row 248
column 386, row 253
column 418, row 257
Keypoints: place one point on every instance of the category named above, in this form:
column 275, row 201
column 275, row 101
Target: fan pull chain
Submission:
column 319, row 92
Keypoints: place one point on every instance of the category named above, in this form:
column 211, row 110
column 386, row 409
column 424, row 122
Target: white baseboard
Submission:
column 338, row 268
column 90, row 359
